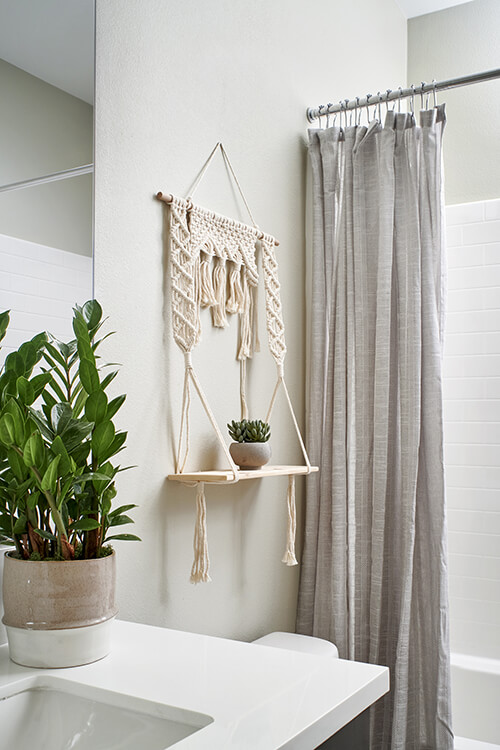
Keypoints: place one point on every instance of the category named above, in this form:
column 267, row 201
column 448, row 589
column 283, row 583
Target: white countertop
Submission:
column 260, row 698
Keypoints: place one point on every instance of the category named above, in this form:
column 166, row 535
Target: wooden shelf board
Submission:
column 225, row 476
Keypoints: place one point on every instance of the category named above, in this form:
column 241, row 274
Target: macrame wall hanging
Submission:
column 213, row 265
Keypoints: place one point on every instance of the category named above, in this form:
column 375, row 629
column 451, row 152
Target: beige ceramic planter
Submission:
column 250, row 455
column 58, row 614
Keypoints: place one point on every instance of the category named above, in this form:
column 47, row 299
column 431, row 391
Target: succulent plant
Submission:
column 249, row 431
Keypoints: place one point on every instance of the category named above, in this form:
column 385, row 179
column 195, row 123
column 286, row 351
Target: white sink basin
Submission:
column 54, row 714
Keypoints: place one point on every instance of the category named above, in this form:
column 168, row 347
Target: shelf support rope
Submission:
column 200, row 239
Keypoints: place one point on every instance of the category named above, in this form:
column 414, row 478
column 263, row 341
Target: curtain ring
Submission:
column 412, row 100
column 379, row 106
column 356, row 106
column 434, row 92
column 399, row 100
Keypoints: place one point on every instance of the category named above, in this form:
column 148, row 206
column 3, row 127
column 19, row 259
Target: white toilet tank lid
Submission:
column 308, row 644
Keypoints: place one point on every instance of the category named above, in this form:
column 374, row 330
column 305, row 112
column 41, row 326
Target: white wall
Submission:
column 455, row 42
column 44, row 130
column 471, row 389
column 172, row 80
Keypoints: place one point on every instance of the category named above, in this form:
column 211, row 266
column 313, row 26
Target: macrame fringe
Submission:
column 246, row 333
column 207, row 296
column 200, row 572
column 236, row 298
column 219, row 319
column 289, row 556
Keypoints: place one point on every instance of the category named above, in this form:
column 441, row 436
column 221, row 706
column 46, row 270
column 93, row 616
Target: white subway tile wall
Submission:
column 40, row 286
column 471, row 390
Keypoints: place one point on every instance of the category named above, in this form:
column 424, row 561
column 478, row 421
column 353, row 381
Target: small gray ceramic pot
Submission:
column 250, row 455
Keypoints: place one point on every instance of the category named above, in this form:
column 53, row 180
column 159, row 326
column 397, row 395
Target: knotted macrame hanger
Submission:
column 199, row 239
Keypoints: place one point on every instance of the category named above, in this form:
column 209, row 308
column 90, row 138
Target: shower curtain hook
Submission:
column 387, row 95
column 422, row 85
column 356, row 106
column 399, row 100
column 328, row 114
column 341, row 103
column 368, row 97
column 434, row 92
column 320, row 114
column 379, row 106
column 350, row 113
column 412, row 100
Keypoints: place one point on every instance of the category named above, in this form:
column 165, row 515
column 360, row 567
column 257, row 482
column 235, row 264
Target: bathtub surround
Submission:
column 471, row 390
column 374, row 565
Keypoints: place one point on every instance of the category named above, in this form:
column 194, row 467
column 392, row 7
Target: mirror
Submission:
column 46, row 169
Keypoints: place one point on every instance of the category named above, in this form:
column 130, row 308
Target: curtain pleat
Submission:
column 374, row 566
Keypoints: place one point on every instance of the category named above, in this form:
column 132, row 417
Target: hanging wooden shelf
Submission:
column 225, row 476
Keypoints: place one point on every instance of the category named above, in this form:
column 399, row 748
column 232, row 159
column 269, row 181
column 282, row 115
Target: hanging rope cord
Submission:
column 186, row 280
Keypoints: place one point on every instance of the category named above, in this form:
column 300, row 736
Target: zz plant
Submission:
column 58, row 445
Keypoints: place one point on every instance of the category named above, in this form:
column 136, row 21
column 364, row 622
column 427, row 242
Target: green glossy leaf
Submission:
column 114, row 405
column 85, row 524
column 39, row 382
column 13, row 408
column 4, row 323
column 7, row 430
column 25, row 390
column 96, row 407
column 102, row 438
column 49, row 479
column 17, row 465
column 46, row 535
column 34, row 452
column 92, row 313
column 31, row 354
column 15, row 362
column 42, row 423
column 115, row 447
column 122, row 509
column 119, row 520
column 89, row 376
column 76, row 432
column 61, row 416
column 58, row 449
column 20, row 524
column 125, row 537
column 108, row 379
column 55, row 354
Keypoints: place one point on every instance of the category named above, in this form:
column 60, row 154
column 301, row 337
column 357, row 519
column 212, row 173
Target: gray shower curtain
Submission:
column 374, row 566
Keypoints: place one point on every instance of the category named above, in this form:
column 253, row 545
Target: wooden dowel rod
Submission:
column 168, row 198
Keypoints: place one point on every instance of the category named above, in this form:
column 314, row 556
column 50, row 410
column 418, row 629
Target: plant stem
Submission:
column 52, row 504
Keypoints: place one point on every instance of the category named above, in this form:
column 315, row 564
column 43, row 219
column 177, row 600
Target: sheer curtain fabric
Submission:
column 374, row 568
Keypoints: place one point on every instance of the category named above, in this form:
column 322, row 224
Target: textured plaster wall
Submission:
column 172, row 80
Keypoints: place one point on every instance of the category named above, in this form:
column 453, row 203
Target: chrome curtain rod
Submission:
column 64, row 175
column 313, row 113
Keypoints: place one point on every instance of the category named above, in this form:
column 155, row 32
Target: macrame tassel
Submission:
column 207, row 296
column 289, row 556
column 245, row 350
column 200, row 572
column 219, row 319
column 236, row 298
